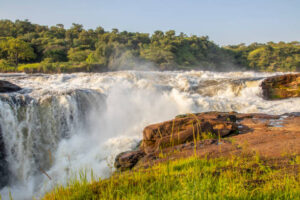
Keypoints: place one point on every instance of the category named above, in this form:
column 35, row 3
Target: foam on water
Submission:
column 63, row 123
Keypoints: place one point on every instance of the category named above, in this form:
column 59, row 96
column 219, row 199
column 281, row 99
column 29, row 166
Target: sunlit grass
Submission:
column 192, row 178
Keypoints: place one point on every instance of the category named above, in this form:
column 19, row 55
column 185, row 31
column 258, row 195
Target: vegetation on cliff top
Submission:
column 56, row 49
column 245, row 177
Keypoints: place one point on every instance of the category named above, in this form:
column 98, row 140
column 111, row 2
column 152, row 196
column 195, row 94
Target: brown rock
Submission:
column 187, row 128
column 181, row 130
column 281, row 87
column 271, row 136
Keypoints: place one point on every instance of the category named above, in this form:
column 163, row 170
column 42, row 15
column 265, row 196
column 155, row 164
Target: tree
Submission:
column 74, row 31
column 99, row 30
column 170, row 34
column 55, row 53
column 17, row 50
column 167, row 50
column 115, row 31
column 24, row 27
column 78, row 55
column 7, row 28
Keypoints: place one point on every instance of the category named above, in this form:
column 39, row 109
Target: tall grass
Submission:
column 192, row 178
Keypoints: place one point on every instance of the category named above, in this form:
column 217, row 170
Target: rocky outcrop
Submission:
column 187, row 128
column 281, row 87
column 215, row 134
column 6, row 86
column 181, row 130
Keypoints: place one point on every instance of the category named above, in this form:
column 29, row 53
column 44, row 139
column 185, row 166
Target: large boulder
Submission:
column 187, row 128
column 179, row 131
column 281, row 87
column 6, row 86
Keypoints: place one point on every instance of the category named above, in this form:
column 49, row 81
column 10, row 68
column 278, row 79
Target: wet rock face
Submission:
column 3, row 164
column 127, row 160
column 6, row 86
column 281, row 87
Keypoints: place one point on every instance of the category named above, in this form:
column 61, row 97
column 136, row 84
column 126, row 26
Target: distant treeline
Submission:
column 35, row 48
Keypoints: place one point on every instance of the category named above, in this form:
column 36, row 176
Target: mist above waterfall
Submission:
column 63, row 123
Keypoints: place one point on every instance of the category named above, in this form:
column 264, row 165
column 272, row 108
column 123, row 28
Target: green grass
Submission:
column 192, row 178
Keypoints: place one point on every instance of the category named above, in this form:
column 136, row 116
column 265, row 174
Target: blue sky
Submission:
column 225, row 22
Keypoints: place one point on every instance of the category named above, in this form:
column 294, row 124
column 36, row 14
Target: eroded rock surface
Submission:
column 214, row 134
column 187, row 128
column 281, row 87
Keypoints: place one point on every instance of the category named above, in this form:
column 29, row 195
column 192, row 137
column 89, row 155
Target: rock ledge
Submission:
column 214, row 134
column 281, row 87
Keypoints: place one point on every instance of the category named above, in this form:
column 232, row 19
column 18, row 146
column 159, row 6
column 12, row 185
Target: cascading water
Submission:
column 33, row 127
column 60, row 124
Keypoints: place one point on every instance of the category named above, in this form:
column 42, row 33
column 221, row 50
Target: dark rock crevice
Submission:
column 4, row 177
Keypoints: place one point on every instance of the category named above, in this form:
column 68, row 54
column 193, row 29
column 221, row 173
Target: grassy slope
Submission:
column 193, row 178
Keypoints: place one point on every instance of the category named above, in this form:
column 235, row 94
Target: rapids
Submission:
column 60, row 125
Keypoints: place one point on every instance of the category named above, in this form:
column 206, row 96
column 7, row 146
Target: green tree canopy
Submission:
column 16, row 50
column 22, row 41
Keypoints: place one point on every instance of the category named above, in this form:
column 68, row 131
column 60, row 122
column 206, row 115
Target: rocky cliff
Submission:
column 281, row 87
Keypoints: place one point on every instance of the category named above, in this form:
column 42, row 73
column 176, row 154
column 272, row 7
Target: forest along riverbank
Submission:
column 59, row 124
column 55, row 49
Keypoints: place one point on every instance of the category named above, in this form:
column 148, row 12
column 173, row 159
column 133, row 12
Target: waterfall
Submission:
column 60, row 124
column 33, row 127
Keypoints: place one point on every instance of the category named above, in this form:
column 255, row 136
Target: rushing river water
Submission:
column 59, row 125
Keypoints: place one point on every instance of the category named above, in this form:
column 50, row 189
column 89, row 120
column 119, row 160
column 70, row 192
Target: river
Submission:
column 61, row 125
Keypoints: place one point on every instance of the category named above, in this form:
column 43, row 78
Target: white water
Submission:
column 61, row 124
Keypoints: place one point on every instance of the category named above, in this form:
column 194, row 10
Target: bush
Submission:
column 5, row 66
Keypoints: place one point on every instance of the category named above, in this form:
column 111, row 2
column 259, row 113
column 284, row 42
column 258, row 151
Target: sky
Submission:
column 224, row 21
